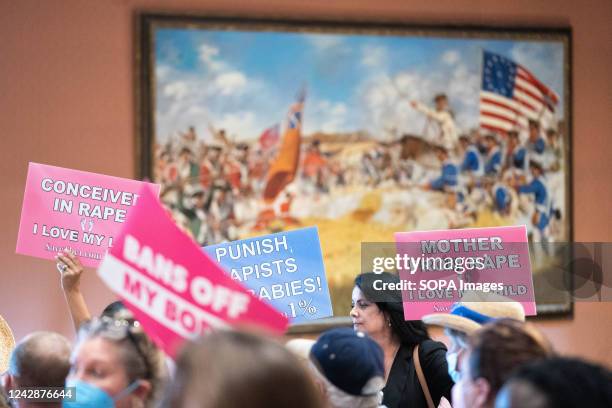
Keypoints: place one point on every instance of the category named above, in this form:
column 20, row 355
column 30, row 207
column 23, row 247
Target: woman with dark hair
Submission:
column 407, row 347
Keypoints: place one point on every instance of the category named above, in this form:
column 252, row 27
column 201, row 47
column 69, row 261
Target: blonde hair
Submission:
column 142, row 360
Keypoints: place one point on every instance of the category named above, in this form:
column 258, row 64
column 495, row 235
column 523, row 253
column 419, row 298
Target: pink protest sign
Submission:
column 173, row 288
column 74, row 210
column 439, row 268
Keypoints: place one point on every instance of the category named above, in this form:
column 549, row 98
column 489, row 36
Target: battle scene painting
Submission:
column 262, row 127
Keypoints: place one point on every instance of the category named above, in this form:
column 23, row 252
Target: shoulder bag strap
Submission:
column 421, row 376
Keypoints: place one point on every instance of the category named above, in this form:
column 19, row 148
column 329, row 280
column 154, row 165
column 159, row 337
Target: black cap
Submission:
column 350, row 360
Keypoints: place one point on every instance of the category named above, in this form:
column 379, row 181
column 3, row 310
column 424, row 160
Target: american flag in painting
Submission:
column 510, row 95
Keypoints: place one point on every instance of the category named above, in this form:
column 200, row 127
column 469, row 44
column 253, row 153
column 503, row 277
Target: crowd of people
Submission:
column 494, row 359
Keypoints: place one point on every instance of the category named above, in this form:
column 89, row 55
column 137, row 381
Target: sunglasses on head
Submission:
column 119, row 329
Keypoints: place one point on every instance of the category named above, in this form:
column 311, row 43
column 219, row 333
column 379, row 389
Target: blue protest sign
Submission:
column 286, row 269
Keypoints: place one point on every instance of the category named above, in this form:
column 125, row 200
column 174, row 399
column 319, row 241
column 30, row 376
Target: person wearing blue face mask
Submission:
column 494, row 353
column 114, row 364
column 464, row 318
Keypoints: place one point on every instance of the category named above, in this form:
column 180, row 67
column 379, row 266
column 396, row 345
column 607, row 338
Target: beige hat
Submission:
column 7, row 344
column 474, row 310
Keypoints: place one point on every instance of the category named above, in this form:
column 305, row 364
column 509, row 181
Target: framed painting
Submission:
column 362, row 129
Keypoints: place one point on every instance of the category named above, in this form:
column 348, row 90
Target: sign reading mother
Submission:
column 73, row 210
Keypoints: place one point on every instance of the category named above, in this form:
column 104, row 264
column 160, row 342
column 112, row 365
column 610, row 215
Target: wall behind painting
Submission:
column 67, row 98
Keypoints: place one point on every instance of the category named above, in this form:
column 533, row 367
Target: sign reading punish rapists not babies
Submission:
column 285, row 269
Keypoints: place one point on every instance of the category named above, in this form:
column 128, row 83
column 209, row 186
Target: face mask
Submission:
column 90, row 396
column 451, row 360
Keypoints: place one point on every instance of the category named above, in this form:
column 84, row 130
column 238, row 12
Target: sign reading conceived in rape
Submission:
column 65, row 209
column 285, row 269
column 173, row 288
column 437, row 268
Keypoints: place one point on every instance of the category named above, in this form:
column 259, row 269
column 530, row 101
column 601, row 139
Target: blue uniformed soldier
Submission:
column 448, row 181
column 539, row 189
column 502, row 198
column 472, row 160
column 493, row 162
column 516, row 155
column 500, row 195
column 535, row 143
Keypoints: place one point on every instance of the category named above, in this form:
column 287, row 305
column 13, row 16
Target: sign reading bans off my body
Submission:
column 174, row 289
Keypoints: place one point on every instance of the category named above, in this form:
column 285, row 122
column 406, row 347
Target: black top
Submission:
column 403, row 388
